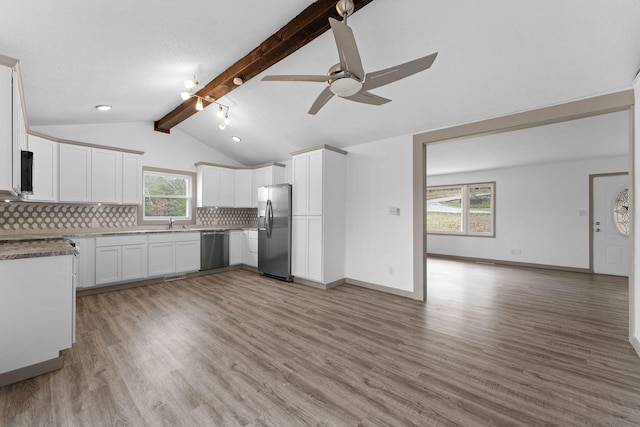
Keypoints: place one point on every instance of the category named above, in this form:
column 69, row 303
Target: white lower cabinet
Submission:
column 250, row 248
column 37, row 310
column 108, row 264
column 171, row 253
column 188, row 255
column 121, row 258
column 235, row 247
column 134, row 262
column 86, row 247
column 161, row 258
column 306, row 247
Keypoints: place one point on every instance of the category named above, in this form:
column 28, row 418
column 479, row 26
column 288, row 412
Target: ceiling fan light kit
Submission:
column 347, row 79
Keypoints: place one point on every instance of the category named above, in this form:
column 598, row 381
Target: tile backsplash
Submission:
column 29, row 216
column 227, row 216
column 22, row 216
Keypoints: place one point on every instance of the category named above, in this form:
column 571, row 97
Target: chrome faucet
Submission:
column 171, row 223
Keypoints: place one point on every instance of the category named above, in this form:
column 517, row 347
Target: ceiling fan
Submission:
column 347, row 79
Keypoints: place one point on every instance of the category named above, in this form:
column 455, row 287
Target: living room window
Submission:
column 466, row 209
column 167, row 194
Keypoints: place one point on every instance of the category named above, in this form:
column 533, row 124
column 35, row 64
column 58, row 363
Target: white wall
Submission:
column 537, row 213
column 176, row 150
column 379, row 245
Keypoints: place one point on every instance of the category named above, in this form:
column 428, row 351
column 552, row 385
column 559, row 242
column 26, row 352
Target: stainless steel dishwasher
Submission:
column 214, row 249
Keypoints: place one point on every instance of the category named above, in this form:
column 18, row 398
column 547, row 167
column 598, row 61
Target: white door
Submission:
column 611, row 225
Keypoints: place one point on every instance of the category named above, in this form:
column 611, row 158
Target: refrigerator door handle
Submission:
column 269, row 218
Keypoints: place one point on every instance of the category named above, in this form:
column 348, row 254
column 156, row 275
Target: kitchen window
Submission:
column 467, row 209
column 168, row 195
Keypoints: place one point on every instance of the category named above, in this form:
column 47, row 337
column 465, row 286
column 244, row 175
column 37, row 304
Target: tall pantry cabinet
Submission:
column 318, row 222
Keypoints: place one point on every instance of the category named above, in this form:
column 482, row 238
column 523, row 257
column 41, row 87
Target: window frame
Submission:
column 465, row 209
column 190, row 218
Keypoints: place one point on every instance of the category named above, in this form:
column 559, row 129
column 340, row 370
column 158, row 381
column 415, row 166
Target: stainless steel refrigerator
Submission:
column 274, row 231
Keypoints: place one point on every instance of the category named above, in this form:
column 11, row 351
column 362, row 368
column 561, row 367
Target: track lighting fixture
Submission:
column 223, row 110
column 190, row 84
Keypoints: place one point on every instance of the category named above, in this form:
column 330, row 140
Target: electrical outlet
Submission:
column 394, row 211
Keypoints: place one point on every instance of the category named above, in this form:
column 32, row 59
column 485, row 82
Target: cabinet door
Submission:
column 299, row 246
column 108, row 264
column 161, row 258
column 209, row 186
column 299, row 177
column 86, row 247
column 314, row 183
column 244, row 187
column 134, row 262
column 131, row 179
column 6, row 132
column 106, row 176
column 314, row 248
column 235, row 247
column 19, row 131
column 252, row 248
column 45, row 169
column 227, row 187
column 74, row 168
column 261, row 177
column 187, row 256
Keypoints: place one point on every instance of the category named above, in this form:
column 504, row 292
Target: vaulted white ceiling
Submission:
column 495, row 58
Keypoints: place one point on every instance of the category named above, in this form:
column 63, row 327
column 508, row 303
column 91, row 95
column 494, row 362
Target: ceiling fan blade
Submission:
column 392, row 74
column 367, row 98
column 295, row 78
column 325, row 96
column 347, row 48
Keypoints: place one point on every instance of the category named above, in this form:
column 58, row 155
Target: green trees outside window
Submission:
column 461, row 209
column 167, row 195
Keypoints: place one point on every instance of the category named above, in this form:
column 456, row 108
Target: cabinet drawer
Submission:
column 136, row 239
column 178, row 236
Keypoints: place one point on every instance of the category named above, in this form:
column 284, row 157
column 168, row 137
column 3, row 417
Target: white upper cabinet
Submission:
column 131, row 179
column 267, row 175
column 13, row 126
column 244, row 186
column 99, row 175
column 74, row 173
column 227, row 187
column 307, row 179
column 6, row 129
column 208, row 179
column 45, row 169
column 106, row 176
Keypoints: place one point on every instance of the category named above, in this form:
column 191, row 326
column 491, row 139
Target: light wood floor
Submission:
column 492, row 346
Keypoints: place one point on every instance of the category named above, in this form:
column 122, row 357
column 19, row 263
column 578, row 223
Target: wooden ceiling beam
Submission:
column 302, row 29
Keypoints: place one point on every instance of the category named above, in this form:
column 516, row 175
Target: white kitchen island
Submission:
column 37, row 307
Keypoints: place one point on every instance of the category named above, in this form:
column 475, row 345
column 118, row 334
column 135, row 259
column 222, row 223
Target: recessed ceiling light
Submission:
column 236, row 138
column 103, row 107
column 237, row 81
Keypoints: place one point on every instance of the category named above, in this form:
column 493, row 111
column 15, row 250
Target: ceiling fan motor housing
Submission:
column 343, row 83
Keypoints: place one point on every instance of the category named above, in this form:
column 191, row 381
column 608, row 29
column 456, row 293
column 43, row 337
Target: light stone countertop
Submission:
column 6, row 236
column 35, row 248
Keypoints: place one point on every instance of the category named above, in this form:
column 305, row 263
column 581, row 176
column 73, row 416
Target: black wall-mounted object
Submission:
column 26, row 184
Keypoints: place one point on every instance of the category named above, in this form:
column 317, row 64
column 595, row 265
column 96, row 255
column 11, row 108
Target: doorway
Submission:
column 610, row 224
